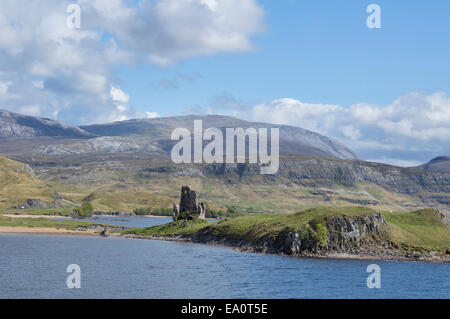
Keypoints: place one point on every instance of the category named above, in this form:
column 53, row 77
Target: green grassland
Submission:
column 17, row 185
column 43, row 223
column 423, row 228
column 266, row 205
column 139, row 184
column 419, row 230
column 127, row 195
column 254, row 226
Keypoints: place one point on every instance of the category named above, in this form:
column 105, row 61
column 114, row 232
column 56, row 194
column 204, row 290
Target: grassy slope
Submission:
column 43, row 222
column 423, row 228
column 16, row 185
column 127, row 194
column 255, row 226
column 139, row 183
column 416, row 229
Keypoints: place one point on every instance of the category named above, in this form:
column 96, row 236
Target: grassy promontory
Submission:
column 321, row 231
column 421, row 229
column 46, row 225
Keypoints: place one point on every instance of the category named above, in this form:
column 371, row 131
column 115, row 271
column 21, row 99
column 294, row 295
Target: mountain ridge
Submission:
column 19, row 125
column 440, row 164
column 151, row 136
column 292, row 139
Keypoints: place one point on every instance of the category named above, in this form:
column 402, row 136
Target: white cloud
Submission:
column 146, row 114
column 166, row 31
column 351, row 132
column 396, row 161
column 31, row 110
column 150, row 115
column 50, row 69
column 118, row 95
column 4, row 88
column 5, row 94
column 413, row 128
column 38, row 84
column 315, row 117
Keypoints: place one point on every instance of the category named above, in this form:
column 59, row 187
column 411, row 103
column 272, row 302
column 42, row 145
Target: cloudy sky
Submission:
column 385, row 92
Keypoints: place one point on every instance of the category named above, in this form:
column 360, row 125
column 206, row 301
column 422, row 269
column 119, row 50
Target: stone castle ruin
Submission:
column 188, row 208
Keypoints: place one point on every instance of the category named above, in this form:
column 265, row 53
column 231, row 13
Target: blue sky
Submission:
column 314, row 51
column 314, row 64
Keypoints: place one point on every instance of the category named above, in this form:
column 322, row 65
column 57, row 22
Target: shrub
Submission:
column 321, row 233
column 85, row 211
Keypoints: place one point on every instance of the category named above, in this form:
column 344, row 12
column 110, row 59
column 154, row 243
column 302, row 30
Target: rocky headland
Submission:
column 362, row 233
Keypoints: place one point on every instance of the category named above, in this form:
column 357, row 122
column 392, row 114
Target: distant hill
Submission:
column 440, row 163
column 125, row 165
column 25, row 134
column 18, row 125
column 293, row 140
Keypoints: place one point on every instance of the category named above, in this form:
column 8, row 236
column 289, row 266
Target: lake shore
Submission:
column 241, row 246
column 320, row 232
column 153, row 216
column 129, row 215
column 392, row 255
column 345, row 233
column 46, row 230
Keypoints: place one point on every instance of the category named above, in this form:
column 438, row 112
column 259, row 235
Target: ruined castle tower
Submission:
column 188, row 208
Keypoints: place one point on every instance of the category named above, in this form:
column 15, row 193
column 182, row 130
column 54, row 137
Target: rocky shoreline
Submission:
column 243, row 246
column 364, row 236
column 367, row 253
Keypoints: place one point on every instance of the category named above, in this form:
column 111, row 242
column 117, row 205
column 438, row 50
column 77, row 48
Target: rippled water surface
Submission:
column 127, row 221
column 34, row 266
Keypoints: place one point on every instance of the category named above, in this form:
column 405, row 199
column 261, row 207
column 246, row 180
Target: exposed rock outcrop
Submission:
column 26, row 169
column 352, row 235
column 105, row 232
column 104, row 144
column 39, row 204
column 34, row 204
column 188, row 208
column 344, row 234
column 18, row 125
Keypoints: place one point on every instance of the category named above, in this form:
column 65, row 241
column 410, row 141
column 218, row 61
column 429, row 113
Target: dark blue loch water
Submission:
column 34, row 266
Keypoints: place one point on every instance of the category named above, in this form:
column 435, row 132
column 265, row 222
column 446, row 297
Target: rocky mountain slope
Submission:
column 126, row 165
column 18, row 125
column 123, row 182
column 104, row 144
column 293, row 140
column 439, row 164
column 144, row 136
